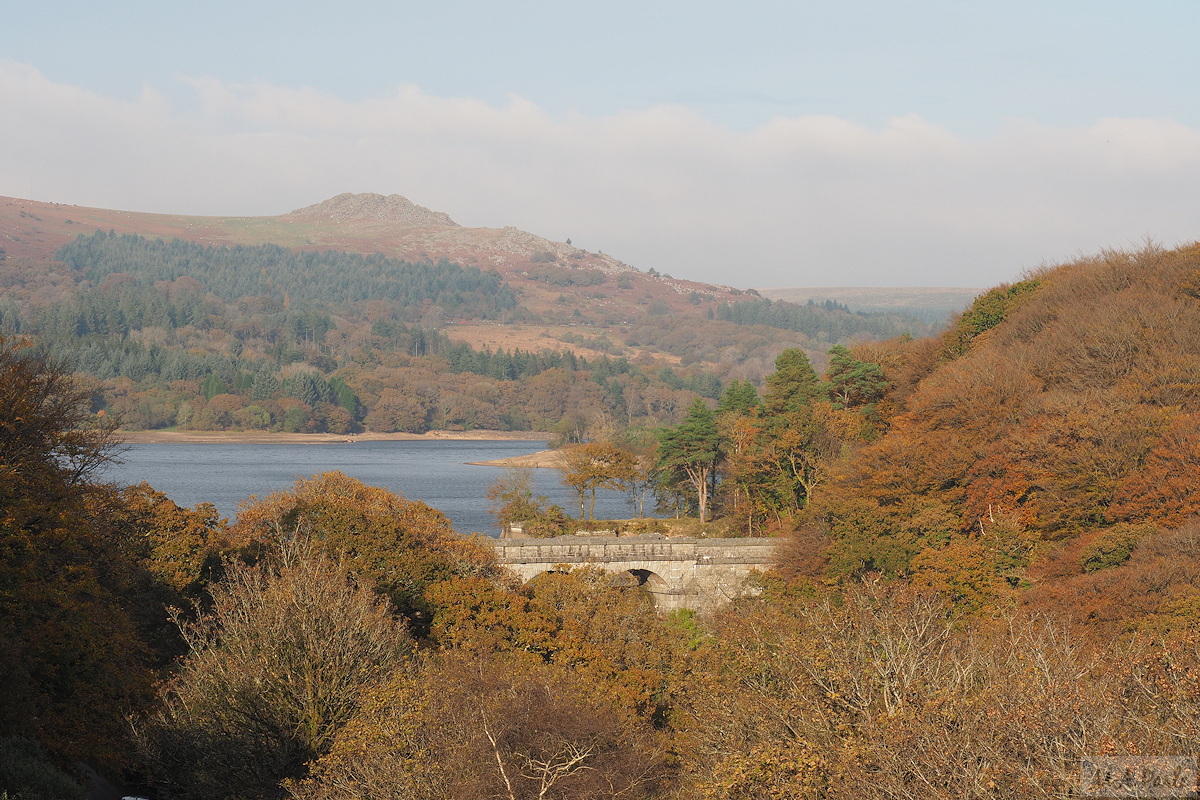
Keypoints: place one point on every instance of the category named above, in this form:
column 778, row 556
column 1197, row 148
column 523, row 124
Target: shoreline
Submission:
column 262, row 437
column 543, row 459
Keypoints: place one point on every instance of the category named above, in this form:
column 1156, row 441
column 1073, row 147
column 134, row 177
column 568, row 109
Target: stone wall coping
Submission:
column 631, row 539
column 696, row 573
column 634, row 549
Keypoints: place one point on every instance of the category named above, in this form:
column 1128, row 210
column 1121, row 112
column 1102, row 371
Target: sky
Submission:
column 757, row 144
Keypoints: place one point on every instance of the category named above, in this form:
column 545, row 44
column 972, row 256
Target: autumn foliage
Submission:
column 512, row 728
column 1057, row 407
column 274, row 671
column 990, row 570
column 398, row 546
column 73, row 659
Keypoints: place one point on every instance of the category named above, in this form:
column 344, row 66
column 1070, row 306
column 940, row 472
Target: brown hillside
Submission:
column 550, row 275
column 567, row 299
column 1061, row 408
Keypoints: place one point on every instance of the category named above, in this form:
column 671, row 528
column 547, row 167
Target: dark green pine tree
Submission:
column 266, row 385
column 213, row 386
column 854, row 383
column 740, row 398
column 793, row 385
column 343, row 395
column 687, row 454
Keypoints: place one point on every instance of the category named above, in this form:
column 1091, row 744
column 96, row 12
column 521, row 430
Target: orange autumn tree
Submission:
column 604, row 630
column 1059, row 405
column 596, row 465
column 74, row 604
column 184, row 546
column 398, row 546
column 1166, row 490
column 509, row 727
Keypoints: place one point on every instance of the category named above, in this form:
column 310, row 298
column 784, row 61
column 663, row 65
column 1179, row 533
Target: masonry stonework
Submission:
column 699, row 574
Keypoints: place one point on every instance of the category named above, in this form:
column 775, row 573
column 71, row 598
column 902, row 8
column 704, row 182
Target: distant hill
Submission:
column 556, row 283
column 932, row 304
column 371, row 311
column 390, row 225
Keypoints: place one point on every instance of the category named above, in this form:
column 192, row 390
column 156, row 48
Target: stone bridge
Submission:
column 700, row 574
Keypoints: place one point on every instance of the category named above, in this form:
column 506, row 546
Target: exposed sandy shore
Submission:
column 258, row 437
column 549, row 459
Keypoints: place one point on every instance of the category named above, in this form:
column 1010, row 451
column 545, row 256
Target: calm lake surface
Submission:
column 437, row 473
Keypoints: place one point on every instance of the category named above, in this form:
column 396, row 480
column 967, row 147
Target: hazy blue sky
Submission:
column 834, row 143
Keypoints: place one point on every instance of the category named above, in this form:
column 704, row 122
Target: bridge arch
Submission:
column 651, row 580
column 699, row 574
column 646, row 579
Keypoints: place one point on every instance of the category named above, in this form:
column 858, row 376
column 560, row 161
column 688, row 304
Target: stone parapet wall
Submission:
column 700, row 574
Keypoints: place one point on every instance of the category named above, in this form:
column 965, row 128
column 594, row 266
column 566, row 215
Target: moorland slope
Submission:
column 391, row 312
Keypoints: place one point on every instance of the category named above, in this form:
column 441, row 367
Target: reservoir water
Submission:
column 436, row 473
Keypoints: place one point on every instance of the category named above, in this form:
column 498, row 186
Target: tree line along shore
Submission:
column 250, row 437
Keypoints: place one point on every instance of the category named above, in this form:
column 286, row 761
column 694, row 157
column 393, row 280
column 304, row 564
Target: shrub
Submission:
column 27, row 774
column 275, row 670
column 507, row 728
column 398, row 546
column 1113, row 547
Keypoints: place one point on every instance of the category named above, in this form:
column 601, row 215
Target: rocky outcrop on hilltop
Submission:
column 499, row 247
column 528, row 245
column 393, row 208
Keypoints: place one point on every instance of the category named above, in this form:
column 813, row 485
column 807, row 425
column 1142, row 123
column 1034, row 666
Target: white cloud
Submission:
column 799, row 201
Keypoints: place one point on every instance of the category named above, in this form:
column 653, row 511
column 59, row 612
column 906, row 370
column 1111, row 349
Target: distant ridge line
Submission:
column 814, row 290
column 931, row 303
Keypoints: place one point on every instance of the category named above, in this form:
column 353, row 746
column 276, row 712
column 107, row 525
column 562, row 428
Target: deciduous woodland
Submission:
column 990, row 568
